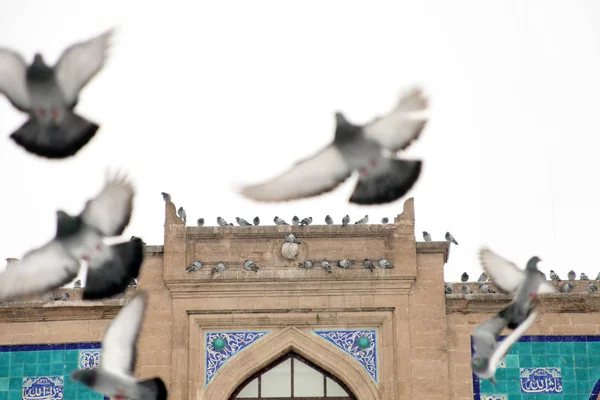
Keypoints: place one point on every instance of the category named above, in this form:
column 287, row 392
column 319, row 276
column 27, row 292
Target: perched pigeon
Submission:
column 77, row 284
column 592, row 288
column 486, row 288
column 447, row 289
column 554, row 276
column 362, row 221
column 325, row 264
column 464, row 277
column 483, row 278
column 166, row 196
column 368, row 149
column 242, row 222
column 567, row 288
column 583, row 277
column 200, row 221
column 328, row 220
column 385, row 220
column 279, row 221
column 295, row 220
column 50, row 94
column 181, row 213
column 346, row 220
column 450, row 238
column 383, row 263
column 250, row 266
column 290, row 238
column 368, row 264
column 345, row 263
column 63, row 297
column 48, row 296
column 306, row 264
column 465, row 289
column 221, row 222
column 306, row 221
column 426, row 236
column 110, row 267
column 195, row 266
column 220, row 267
column 256, row 221
column 598, row 277
column 571, row 275
column 114, row 376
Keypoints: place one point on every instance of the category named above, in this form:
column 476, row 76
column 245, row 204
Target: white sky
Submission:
column 200, row 96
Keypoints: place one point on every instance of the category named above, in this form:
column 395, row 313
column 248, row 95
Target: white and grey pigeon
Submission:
column 554, row 276
column 195, row 266
column 369, row 149
column 450, row 238
column 295, row 220
column 464, row 277
column 306, row 264
column 50, row 94
column 362, row 221
column 328, row 220
column 181, row 214
column 571, row 275
column 592, row 288
column 279, row 221
column 426, row 236
column 221, row 222
column 483, row 278
column 306, row 221
column 256, row 221
column 567, row 287
column 583, row 277
column 486, row 288
column 345, row 263
column 383, row 263
column 63, row 297
column 326, row 266
column 290, row 238
column 368, row 264
column 114, row 376
column 250, row 266
column 200, row 221
column 81, row 237
column 465, row 289
column 220, row 267
column 346, row 220
column 385, row 220
column 166, row 196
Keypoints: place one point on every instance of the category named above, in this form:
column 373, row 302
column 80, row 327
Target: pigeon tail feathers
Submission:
column 394, row 183
column 157, row 387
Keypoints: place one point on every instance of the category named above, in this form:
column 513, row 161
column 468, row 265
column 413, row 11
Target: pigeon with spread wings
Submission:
column 114, row 376
column 383, row 178
column 50, row 94
column 110, row 267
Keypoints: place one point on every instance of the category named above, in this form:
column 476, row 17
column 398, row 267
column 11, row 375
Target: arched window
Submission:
column 292, row 377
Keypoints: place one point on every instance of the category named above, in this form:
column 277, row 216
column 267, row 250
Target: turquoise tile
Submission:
column 539, row 360
column 568, row 374
column 541, row 397
column 57, row 369
column 70, row 367
column 580, row 348
column 553, row 361
column 512, row 374
column 29, row 369
column 553, row 348
column 525, row 348
column 512, row 360
column 569, row 387
column 69, row 393
column 500, row 387
column 567, row 361
column 30, row 357
column 44, row 357
column 593, row 361
column 514, row 396
column 57, row 357
column 4, row 371
column 594, row 372
column 4, row 395
column 566, row 348
column 513, row 387
column 538, row 348
column 15, row 384
column 43, row 369
column 593, row 348
column 16, row 370
column 15, row 394
column 581, row 374
column 96, row 396
column 526, row 361
column 580, row 361
column 583, row 387
column 486, row 387
column 16, row 357
column 4, row 358
column 571, row 397
column 83, row 395
column 3, row 384
column 72, row 356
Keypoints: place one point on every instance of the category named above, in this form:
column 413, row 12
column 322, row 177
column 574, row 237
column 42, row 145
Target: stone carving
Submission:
column 541, row 380
column 89, row 359
column 289, row 250
column 359, row 343
column 43, row 387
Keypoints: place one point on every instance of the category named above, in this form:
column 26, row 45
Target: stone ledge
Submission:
column 37, row 311
column 154, row 249
column 434, row 247
column 480, row 303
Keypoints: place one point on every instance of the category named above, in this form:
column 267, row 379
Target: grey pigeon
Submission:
column 290, row 238
column 426, row 236
column 362, row 221
column 63, row 297
column 571, row 275
column 256, row 221
column 592, row 288
column 221, row 222
column 81, row 237
column 465, row 289
column 220, row 267
column 242, row 222
column 385, row 220
column 483, row 278
column 166, row 196
column 368, row 264
column 567, row 287
column 464, row 277
column 554, row 276
column 583, row 277
column 328, row 220
column 369, row 149
column 48, row 296
column 450, row 238
column 114, row 376
column 327, row 266
column 306, row 221
column 306, row 264
column 249, row 265
column 200, row 221
column 279, row 221
column 486, row 288
column 181, row 213
column 50, row 94
column 383, row 263
column 77, row 284
column 346, row 220
column 345, row 263
column 195, row 266
column 447, row 289
column 295, row 220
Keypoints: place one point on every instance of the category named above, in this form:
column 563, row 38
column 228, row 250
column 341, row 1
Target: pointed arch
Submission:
column 273, row 346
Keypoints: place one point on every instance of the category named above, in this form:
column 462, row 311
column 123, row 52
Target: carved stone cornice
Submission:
column 433, row 248
column 37, row 311
column 548, row 303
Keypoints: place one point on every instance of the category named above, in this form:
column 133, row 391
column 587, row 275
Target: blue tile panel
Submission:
column 42, row 371
column 545, row 368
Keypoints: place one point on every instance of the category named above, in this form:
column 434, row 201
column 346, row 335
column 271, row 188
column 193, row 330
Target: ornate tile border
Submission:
column 221, row 346
column 361, row 344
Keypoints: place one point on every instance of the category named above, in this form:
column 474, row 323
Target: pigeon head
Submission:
column 39, row 70
column 85, row 376
column 532, row 263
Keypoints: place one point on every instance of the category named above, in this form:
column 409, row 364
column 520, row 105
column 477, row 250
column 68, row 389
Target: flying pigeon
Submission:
column 346, row 220
column 450, row 238
column 200, row 221
column 279, row 221
column 256, row 221
column 110, row 267
column 295, row 220
column 306, row 221
column 486, row 288
column 181, row 213
column 114, row 376
column 567, row 287
column 77, row 284
column 383, row 263
column 464, row 277
column 571, row 275
column 325, row 264
column 385, row 220
column 345, row 263
column 166, row 196
column 465, row 289
column 290, row 238
column 328, row 220
column 368, row 264
column 306, row 264
column 583, row 277
column 368, row 149
column 426, row 236
column 250, row 266
column 221, row 222
column 50, row 94
column 220, row 267
column 447, row 289
column 483, row 278
column 362, row 221
column 592, row 288
column 554, row 276
column 195, row 266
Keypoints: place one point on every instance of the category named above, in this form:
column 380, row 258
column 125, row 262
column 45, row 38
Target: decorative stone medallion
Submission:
column 221, row 346
column 42, row 387
column 89, row 359
column 361, row 344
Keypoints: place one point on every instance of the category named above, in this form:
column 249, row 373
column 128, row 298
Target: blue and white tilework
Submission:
column 347, row 340
column 235, row 342
column 89, row 359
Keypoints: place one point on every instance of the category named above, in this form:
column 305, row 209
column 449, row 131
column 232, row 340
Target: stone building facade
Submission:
column 286, row 332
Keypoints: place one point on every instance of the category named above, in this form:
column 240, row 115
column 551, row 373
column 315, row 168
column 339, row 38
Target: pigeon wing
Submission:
column 398, row 129
column 546, row 287
column 506, row 276
column 505, row 345
column 119, row 346
column 110, row 211
column 316, row 175
column 79, row 63
column 40, row 270
column 13, row 81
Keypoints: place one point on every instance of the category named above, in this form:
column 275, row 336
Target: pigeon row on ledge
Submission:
column 566, row 287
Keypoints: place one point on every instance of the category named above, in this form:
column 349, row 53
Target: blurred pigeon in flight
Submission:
column 166, row 196
column 592, row 288
column 554, row 276
column 256, row 221
column 110, row 267
column 362, row 221
column 327, row 266
column 426, row 236
column 249, row 265
column 306, row 221
column 368, row 149
column 345, row 263
column 464, row 277
column 567, row 287
column 328, row 220
column 220, row 267
column 368, row 264
column 483, row 278
column 383, row 263
column 114, row 376
column 583, row 277
column 195, row 266
column 306, row 264
column 181, row 213
column 571, row 275
column 50, row 94
column 346, row 220
column 279, row 221
column 450, row 238
column 200, row 221
column 385, row 220
column 295, row 220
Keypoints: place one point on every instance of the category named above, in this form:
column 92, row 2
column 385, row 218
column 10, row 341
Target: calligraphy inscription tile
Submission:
column 43, row 387
column 541, row 380
column 494, row 397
